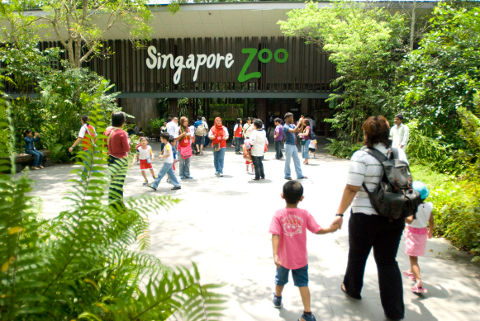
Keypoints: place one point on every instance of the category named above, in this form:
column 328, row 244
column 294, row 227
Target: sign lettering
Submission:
column 157, row 60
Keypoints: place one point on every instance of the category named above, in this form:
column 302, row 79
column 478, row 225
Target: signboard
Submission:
column 157, row 60
column 242, row 64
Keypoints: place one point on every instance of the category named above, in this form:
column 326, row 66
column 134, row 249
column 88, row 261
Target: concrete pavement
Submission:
column 222, row 225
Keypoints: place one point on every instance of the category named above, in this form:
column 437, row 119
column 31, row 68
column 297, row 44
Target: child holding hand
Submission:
column 289, row 243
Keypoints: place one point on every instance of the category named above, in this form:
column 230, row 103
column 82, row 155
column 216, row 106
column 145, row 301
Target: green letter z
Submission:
column 242, row 77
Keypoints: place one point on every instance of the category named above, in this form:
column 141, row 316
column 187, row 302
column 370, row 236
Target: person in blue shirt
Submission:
column 30, row 141
column 291, row 151
column 200, row 133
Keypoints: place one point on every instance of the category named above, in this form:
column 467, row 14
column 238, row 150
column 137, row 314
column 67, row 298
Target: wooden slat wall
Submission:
column 306, row 70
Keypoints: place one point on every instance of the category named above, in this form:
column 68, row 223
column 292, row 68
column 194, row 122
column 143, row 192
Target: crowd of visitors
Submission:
column 368, row 226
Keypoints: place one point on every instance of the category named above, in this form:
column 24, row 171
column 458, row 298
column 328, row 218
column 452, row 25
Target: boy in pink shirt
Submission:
column 289, row 242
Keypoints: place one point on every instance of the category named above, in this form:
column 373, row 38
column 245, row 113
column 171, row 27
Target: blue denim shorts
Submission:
column 300, row 276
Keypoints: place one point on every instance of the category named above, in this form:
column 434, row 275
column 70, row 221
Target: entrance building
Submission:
column 227, row 59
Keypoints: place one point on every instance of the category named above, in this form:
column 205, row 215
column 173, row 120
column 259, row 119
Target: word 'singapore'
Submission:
column 194, row 62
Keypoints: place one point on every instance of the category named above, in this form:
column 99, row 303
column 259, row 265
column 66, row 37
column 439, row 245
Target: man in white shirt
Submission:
column 258, row 138
column 172, row 127
column 172, row 130
column 399, row 133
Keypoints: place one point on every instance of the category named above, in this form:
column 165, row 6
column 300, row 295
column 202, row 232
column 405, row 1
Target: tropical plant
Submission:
column 83, row 265
column 66, row 95
column 342, row 148
column 442, row 75
column 366, row 45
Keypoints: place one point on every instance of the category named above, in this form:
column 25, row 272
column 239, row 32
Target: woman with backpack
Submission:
column 366, row 227
column 200, row 132
column 118, row 147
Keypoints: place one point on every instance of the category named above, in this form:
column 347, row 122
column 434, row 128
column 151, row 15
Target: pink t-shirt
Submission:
column 291, row 224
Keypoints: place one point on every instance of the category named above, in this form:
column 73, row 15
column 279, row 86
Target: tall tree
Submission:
column 443, row 74
column 366, row 45
column 73, row 24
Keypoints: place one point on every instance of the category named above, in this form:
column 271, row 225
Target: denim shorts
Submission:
column 300, row 276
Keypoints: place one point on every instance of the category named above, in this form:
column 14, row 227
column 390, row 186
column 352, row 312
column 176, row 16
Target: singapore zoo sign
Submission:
column 196, row 62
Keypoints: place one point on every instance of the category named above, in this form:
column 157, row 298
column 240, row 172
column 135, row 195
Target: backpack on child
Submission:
column 394, row 196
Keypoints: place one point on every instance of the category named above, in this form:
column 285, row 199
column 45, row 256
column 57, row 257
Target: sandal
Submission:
column 409, row 275
column 419, row 290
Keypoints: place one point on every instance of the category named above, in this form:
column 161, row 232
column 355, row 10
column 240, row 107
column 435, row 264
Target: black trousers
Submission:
column 258, row 165
column 278, row 150
column 118, row 172
column 365, row 232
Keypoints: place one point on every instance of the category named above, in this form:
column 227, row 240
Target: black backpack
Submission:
column 394, row 196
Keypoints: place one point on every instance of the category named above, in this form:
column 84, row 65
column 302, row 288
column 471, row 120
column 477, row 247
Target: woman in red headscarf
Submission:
column 218, row 135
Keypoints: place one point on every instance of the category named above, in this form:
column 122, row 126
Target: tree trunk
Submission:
column 78, row 51
column 70, row 53
column 412, row 24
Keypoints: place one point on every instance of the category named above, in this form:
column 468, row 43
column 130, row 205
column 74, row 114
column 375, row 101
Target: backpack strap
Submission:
column 394, row 152
column 375, row 153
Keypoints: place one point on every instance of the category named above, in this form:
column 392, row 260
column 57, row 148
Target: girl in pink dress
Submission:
column 416, row 234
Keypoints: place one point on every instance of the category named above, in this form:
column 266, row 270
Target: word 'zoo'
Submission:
column 194, row 62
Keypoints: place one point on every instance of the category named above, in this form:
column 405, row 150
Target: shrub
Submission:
column 425, row 150
column 456, row 207
column 341, row 148
column 65, row 96
column 82, row 264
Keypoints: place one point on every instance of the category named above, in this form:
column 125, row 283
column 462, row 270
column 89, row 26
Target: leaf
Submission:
column 16, row 229
column 7, row 264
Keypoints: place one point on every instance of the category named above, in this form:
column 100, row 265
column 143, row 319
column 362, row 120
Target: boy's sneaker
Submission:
column 176, row 188
column 277, row 301
column 307, row 317
column 154, row 188
column 145, row 183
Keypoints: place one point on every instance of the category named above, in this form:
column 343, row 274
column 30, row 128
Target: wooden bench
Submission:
column 23, row 160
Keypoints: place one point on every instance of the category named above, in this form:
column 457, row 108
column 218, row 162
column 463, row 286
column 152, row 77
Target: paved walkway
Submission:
column 222, row 224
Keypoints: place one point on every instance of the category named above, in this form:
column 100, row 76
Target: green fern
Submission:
column 82, row 264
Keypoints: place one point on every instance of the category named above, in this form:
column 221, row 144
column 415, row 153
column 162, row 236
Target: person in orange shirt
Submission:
column 238, row 134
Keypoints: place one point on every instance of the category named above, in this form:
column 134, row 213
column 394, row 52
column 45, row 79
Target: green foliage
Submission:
column 443, row 74
column 366, row 45
column 74, row 25
column 83, row 264
column 470, row 133
column 425, row 150
column 65, row 96
column 342, row 148
column 456, row 207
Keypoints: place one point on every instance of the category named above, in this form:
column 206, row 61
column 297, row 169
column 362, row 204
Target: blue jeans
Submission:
column 305, row 154
column 218, row 160
column 258, row 165
column 184, row 167
column 167, row 169
column 291, row 151
column 37, row 156
column 300, row 276
column 174, row 150
column 238, row 142
column 278, row 149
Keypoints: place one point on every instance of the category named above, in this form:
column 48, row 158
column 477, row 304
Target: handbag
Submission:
column 186, row 152
column 216, row 147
